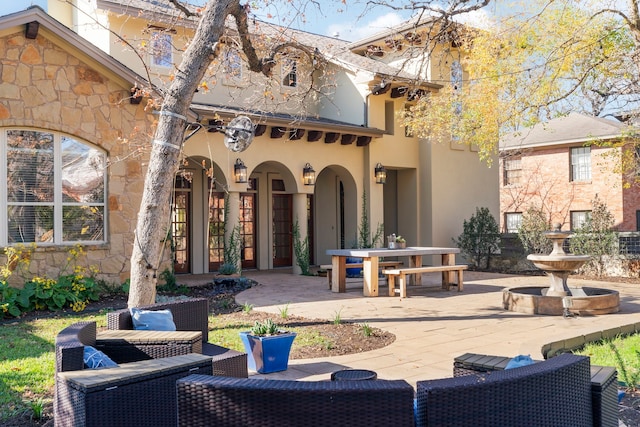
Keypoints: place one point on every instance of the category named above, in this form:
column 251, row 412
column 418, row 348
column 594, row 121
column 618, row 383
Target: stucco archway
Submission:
column 336, row 211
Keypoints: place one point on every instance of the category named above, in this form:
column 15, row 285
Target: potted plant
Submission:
column 267, row 347
column 396, row 242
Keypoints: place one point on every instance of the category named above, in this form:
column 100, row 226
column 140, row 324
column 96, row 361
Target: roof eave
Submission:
column 289, row 122
column 565, row 142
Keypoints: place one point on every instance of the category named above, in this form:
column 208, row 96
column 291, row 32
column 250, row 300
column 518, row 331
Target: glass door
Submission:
column 282, row 230
column 181, row 226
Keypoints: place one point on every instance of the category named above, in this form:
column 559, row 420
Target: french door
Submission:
column 282, row 230
column 248, row 229
column 247, row 236
column 181, row 225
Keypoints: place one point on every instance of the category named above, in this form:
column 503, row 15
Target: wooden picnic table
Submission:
column 370, row 260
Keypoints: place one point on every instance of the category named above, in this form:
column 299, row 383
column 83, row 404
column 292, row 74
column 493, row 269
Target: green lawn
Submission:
column 623, row 353
column 27, row 360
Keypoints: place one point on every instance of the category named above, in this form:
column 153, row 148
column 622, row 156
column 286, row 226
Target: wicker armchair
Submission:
column 192, row 315
column 232, row 402
column 556, row 392
column 137, row 394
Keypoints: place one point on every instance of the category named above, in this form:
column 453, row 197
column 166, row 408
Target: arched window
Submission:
column 55, row 192
column 232, row 66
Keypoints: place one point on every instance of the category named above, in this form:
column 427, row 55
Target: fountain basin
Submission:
column 584, row 301
column 567, row 263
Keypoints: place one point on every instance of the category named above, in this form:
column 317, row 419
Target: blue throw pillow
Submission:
column 150, row 320
column 94, row 359
column 518, row 361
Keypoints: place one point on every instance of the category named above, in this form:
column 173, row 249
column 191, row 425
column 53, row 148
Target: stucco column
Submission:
column 299, row 215
column 232, row 209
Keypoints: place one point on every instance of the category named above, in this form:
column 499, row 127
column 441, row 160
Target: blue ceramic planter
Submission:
column 269, row 353
column 353, row 272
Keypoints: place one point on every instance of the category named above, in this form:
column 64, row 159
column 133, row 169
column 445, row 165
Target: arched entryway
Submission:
column 336, row 211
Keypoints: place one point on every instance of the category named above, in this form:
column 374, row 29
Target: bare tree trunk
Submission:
column 154, row 214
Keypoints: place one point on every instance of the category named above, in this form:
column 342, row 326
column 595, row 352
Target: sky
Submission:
column 350, row 20
column 10, row 6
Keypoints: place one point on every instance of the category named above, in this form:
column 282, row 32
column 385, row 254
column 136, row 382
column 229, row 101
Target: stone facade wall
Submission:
column 44, row 87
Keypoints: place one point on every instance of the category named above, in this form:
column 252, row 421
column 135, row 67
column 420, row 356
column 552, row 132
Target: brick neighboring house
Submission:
column 553, row 166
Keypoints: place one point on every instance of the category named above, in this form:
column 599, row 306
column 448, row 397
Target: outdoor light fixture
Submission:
column 238, row 134
column 380, row 174
column 240, row 172
column 308, row 175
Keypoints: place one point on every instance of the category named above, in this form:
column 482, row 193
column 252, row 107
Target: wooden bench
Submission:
column 402, row 279
column 381, row 264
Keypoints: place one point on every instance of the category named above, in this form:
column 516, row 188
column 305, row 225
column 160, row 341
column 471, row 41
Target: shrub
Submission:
column 480, row 238
column 301, row 249
column 597, row 237
column 74, row 287
column 531, row 232
column 365, row 239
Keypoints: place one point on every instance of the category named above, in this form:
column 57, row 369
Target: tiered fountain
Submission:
column 559, row 298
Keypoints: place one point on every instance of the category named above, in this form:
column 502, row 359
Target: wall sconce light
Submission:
column 308, row 175
column 380, row 174
column 240, row 172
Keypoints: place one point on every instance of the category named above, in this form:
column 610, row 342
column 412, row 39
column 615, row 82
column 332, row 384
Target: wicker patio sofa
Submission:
column 555, row 392
column 604, row 383
column 191, row 315
column 140, row 393
column 204, row 400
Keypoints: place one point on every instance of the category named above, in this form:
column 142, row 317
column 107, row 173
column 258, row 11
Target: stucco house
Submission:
column 74, row 139
column 557, row 166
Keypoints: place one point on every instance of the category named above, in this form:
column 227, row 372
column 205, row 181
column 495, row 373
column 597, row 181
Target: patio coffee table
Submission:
column 354, row 375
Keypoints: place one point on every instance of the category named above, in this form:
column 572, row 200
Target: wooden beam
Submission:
column 363, row 141
column 347, row 139
column 31, row 30
column 295, row 134
column 213, row 125
column 260, row 130
column 331, row 137
column 277, row 132
column 398, row 92
column 314, row 135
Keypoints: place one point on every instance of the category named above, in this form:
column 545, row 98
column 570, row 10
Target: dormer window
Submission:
column 232, row 66
column 161, row 49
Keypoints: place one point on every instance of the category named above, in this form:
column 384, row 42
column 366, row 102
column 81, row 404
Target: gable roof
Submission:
column 63, row 35
column 336, row 51
column 571, row 129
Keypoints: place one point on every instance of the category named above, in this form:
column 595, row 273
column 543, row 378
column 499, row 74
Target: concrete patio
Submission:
column 432, row 326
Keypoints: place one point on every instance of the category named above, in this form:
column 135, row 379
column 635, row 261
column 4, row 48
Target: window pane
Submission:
column 161, row 49
column 456, row 75
column 82, row 172
column 581, row 164
column 29, row 166
column 579, row 218
column 513, row 221
column 232, row 65
column 512, row 171
column 30, row 224
column 290, row 73
column 82, row 223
